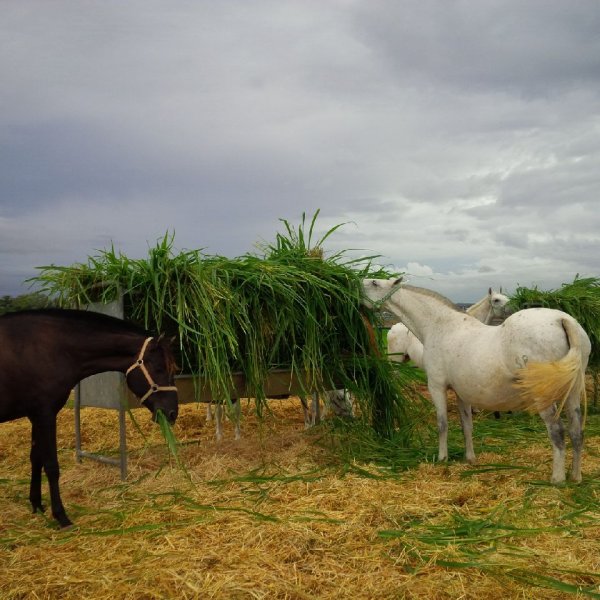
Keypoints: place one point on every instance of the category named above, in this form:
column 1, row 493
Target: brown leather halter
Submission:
column 139, row 363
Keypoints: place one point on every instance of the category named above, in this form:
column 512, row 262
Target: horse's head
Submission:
column 152, row 378
column 397, row 343
column 498, row 303
column 377, row 291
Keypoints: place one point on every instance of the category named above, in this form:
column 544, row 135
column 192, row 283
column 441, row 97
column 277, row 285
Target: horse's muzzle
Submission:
column 170, row 415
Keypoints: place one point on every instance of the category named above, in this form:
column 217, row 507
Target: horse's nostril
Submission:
column 172, row 416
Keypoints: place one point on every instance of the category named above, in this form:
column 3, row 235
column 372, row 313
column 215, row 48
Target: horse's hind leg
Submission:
column 556, row 433
column 575, row 425
column 44, row 438
column 466, row 420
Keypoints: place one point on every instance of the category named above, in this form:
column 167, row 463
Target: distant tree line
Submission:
column 24, row 302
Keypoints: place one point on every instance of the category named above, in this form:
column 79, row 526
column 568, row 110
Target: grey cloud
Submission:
column 571, row 182
column 485, row 269
column 533, row 48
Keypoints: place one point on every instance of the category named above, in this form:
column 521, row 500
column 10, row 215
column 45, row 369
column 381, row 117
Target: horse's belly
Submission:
column 491, row 396
column 489, row 387
column 9, row 413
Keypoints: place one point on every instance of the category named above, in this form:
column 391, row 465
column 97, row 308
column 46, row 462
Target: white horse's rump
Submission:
column 404, row 345
column 535, row 360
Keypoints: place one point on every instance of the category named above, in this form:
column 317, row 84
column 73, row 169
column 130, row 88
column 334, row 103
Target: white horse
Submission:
column 404, row 345
column 535, row 360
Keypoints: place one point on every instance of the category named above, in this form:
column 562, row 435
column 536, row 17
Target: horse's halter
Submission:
column 139, row 363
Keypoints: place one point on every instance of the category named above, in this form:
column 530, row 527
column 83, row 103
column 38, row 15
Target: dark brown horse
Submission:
column 45, row 353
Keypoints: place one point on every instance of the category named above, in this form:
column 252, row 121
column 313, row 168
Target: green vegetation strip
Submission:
column 292, row 307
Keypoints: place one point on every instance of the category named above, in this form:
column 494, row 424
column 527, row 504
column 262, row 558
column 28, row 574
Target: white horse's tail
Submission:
column 544, row 384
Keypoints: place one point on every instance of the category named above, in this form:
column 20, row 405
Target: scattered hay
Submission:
column 276, row 515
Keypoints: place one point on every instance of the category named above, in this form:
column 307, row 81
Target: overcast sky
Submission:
column 460, row 140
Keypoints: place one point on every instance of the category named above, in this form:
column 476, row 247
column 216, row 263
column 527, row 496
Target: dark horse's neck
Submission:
column 88, row 342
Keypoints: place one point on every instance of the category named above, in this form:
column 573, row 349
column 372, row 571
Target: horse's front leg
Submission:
column 35, row 485
column 556, row 433
column 44, row 440
column 438, row 396
column 466, row 420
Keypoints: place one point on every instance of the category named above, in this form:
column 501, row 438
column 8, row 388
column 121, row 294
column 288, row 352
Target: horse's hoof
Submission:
column 63, row 521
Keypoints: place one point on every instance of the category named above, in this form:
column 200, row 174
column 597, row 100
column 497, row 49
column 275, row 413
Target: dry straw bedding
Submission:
column 276, row 515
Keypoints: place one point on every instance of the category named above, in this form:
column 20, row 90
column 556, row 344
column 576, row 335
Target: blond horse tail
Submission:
column 543, row 384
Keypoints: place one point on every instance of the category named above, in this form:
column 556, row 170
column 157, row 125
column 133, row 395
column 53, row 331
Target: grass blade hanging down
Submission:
column 167, row 432
column 291, row 307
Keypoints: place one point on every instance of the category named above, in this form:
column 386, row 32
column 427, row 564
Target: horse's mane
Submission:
column 165, row 345
column 432, row 294
column 87, row 316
